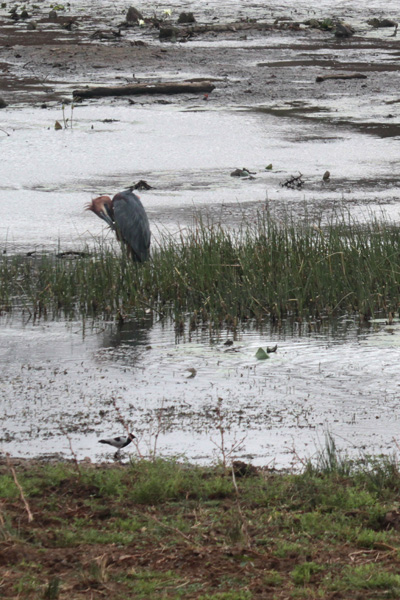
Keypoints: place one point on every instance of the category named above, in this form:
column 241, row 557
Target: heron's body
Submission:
column 126, row 215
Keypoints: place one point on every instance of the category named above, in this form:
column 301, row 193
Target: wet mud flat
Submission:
column 266, row 108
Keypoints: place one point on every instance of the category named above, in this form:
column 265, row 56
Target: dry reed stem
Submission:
column 243, row 519
column 21, row 491
column 73, row 453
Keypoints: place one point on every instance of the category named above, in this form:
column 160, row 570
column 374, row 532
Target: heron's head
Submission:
column 103, row 208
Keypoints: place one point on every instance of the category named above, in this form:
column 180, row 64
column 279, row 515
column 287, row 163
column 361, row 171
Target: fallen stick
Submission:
column 145, row 88
column 341, row 76
column 21, row 491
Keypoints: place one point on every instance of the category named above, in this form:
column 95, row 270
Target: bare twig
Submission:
column 170, row 528
column 244, row 527
column 73, row 453
column 120, row 416
column 21, row 491
column 225, row 453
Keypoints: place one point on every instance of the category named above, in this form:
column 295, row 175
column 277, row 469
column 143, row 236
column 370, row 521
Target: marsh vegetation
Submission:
column 268, row 269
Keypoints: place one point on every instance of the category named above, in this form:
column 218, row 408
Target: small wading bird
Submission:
column 126, row 216
column 118, row 442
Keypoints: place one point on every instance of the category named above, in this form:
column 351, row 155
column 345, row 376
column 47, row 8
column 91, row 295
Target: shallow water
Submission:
column 47, row 177
column 58, row 387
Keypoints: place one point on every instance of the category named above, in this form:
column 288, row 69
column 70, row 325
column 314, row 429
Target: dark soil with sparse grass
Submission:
column 169, row 530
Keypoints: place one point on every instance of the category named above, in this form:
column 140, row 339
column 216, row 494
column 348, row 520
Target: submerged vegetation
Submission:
column 163, row 529
column 267, row 269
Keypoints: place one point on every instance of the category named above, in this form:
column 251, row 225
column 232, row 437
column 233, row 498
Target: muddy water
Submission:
column 58, row 380
column 58, row 385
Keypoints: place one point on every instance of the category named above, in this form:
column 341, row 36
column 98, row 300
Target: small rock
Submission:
column 3, row 103
column 168, row 33
column 13, row 14
column 192, row 373
column 133, row 16
column 25, row 14
column 31, row 26
column 326, row 176
column 241, row 173
column 343, row 30
column 382, row 23
column 53, row 15
column 185, row 17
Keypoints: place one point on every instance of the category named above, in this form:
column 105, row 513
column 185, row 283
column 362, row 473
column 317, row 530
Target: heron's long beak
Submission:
column 102, row 207
column 103, row 214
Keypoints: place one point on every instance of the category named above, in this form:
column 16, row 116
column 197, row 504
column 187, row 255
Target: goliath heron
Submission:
column 126, row 215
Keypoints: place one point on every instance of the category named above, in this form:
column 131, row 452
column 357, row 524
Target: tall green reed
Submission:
column 267, row 269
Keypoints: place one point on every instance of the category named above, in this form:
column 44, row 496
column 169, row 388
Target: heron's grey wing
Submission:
column 132, row 223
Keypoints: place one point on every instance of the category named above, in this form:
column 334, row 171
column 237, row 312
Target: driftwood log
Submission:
column 341, row 76
column 145, row 88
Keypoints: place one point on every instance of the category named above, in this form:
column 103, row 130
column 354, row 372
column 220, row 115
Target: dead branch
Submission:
column 294, row 182
column 21, row 491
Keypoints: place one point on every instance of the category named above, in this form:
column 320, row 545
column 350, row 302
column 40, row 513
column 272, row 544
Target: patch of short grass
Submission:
column 147, row 583
column 369, row 576
column 239, row 595
column 192, row 534
column 303, row 572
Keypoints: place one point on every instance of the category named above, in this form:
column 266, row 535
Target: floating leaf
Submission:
column 57, row 125
column 269, row 167
column 261, row 354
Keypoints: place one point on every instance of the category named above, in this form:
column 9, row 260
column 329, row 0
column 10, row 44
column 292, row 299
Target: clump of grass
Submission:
column 266, row 269
column 331, row 461
column 303, row 573
column 369, row 577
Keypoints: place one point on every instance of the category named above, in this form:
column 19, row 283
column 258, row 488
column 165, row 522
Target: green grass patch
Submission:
column 369, row 577
column 303, row 573
column 171, row 530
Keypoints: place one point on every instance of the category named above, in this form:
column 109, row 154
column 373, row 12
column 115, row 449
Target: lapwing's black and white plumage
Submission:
column 118, row 442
